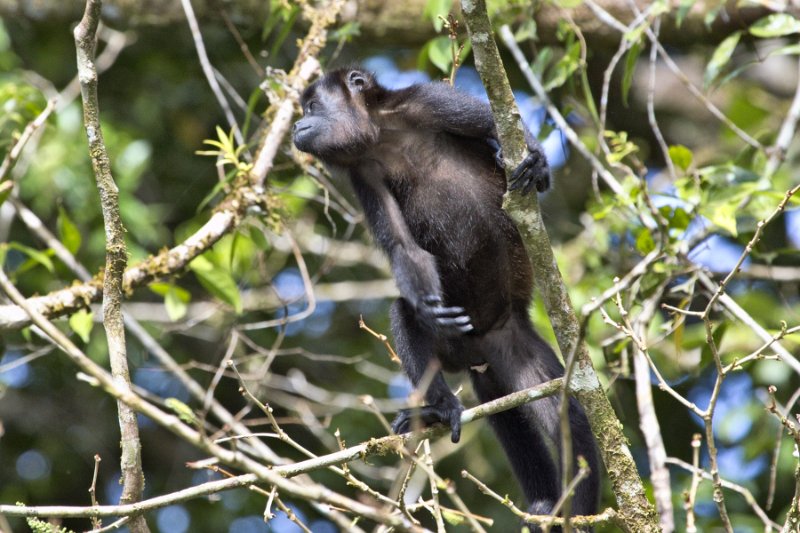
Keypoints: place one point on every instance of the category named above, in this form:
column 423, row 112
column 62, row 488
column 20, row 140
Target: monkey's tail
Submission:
column 530, row 434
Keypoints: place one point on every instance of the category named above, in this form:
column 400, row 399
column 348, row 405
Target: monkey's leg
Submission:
column 529, row 452
column 415, row 345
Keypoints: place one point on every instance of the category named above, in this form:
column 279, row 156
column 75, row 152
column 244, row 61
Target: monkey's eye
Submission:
column 311, row 107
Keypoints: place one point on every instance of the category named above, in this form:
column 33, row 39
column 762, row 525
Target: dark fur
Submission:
column 425, row 163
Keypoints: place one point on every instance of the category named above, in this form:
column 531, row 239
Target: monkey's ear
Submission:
column 357, row 81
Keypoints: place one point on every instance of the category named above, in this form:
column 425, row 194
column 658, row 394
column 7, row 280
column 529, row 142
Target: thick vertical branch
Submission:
column 116, row 258
column 636, row 511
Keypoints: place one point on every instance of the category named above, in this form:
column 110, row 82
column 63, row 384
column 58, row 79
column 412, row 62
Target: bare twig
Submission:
column 607, row 516
column 96, row 522
column 15, row 151
column 381, row 337
column 208, row 70
column 748, row 496
column 691, row 496
column 777, row 152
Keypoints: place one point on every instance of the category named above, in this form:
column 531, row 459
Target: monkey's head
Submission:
column 336, row 126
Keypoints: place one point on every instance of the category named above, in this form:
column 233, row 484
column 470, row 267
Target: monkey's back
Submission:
column 450, row 191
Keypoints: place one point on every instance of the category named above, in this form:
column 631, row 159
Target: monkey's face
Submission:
column 336, row 126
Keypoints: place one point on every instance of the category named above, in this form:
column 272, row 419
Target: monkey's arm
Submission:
column 437, row 106
column 414, row 269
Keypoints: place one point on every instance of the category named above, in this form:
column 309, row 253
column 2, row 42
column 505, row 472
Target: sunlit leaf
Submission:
column 82, row 323
column 175, row 305
column 439, row 53
column 453, row 518
column 790, row 49
column 436, row 8
column 183, row 411
column 681, row 156
column 35, row 255
column 217, row 281
column 644, row 241
column 564, row 68
column 68, row 232
column 175, row 298
column 527, row 30
column 775, row 25
column 721, row 57
column 724, row 217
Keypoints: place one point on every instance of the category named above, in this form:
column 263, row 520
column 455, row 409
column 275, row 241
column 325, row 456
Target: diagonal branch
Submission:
column 132, row 479
column 636, row 512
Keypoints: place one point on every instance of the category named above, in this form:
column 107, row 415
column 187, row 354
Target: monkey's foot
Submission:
column 428, row 415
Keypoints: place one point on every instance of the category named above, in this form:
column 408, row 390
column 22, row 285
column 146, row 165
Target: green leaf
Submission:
column 679, row 219
column 5, row 190
column 183, row 411
column 542, row 60
column 564, row 68
column 434, row 9
column 217, row 281
column 721, row 57
column 791, row 49
column 527, row 30
column 439, row 53
column 775, row 25
column 82, row 323
column 644, row 241
column 175, row 299
column 453, row 518
column 683, row 9
column 724, row 217
column 176, row 307
column 681, row 156
column 258, row 238
column 630, row 67
column 37, row 256
column 68, row 232
column 289, row 16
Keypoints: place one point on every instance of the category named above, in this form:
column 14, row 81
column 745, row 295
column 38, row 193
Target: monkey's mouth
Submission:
column 301, row 128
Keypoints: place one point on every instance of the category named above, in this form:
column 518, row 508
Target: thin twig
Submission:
column 32, row 127
column 96, row 522
column 748, row 496
column 208, row 70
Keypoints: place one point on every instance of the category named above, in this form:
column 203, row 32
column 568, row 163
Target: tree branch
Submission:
column 637, row 513
column 132, row 478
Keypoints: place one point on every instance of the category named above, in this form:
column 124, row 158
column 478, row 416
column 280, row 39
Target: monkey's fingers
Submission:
column 460, row 324
column 498, row 152
column 532, row 172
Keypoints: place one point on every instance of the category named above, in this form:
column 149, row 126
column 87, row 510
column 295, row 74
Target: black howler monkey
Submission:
column 426, row 166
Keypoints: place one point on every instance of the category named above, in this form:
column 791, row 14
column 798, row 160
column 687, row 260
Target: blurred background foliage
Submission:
column 157, row 111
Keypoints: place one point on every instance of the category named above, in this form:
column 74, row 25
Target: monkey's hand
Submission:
column 447, row 412
column 451, row 321
column 532, row 172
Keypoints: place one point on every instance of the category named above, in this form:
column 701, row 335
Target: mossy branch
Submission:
column 636, row 512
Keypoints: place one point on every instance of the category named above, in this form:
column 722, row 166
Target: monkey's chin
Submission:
column 303, row 141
